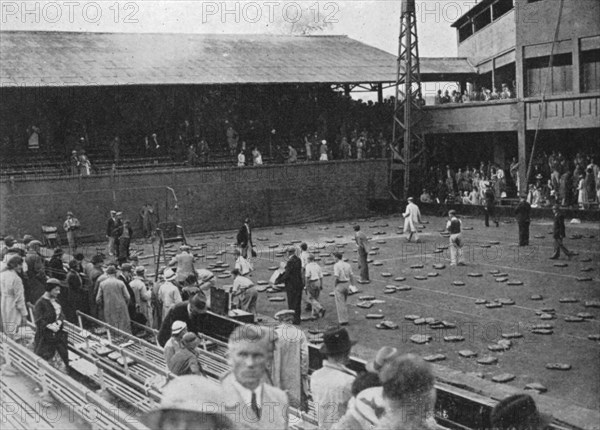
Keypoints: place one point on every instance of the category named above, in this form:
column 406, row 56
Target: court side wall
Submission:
column 209, row 199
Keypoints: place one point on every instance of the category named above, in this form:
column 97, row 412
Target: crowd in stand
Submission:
column 558, row 180
column 479, row 95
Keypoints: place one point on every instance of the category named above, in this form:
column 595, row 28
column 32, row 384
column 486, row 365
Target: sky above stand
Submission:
column 373, row 22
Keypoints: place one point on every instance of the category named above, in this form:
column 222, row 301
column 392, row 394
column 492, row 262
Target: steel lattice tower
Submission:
column 407, row 109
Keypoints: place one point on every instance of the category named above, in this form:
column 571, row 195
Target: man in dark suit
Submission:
column 558, row 233
column 190, row 312
column 522, row 215
column 244, row 238
column 292, row 277
column 113, row 231
column 490, row 205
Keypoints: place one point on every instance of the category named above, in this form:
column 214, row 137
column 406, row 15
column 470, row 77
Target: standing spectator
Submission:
column 113, row 298
column 323, row 150
column 289, row 369
column 94, row 275
column 206, row 281
column 189, row 287
column 454, row 227
column 112, row 231
column 115, row 147
column 241, row 158
column 191, row 312
column 518, row 412
column 292, row 154
column 256, row 157
column 490, row 205
column 56, row 267
column 363, row 252
column 185, row 361
column 145, row 217
column 74, row 163
column 71, row 226
column 313, row 276
column 590, row 185
column 522, row 215
column 412, row 216
column 142, row 294
column 184, row 262
column 331, row 385
column 36, row 274
column 244, row 238
column 408, row 392
column 344, row 278
column 558, row 233
column 76, row 297
column 168, row 293
column 204, row 151
column 85, row 166
column 178, row 330
column 438, row 100
column 126, row 276
column 582, row 196
column 13, row 312
column 260, row 405
column 50, row 336
column 9, row 242
column 308, row 147
column 292, row 277
column 345, row 149
column 125, row 241
column 514, row 173
column 243, row 289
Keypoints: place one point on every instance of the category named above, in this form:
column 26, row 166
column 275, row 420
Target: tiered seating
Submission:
column 64, row 389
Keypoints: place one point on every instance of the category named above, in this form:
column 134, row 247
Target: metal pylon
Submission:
column 407, row 146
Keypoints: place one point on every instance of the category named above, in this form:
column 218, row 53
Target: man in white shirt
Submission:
column 342, row 272
column 249, row 401
column 244, row 290
column 331, row 385
column 242, row 264
column 184, row 262
column 313, row 276
column 412, row 216
column 168, row 293
column 454, row 227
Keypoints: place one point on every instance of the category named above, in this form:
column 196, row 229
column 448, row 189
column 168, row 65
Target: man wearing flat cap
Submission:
column 113, row 227
column 289, row 368
column 292, row 277
column 331, row 385
column 36, row 272
column 184, row 261
column 522, row 215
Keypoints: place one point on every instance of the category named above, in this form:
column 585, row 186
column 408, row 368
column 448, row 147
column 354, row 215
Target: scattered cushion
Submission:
column 374, row 316
column 474, row 275
column 420, row 278
column 480, row 301
column 439, row 266
column 458, row 283
column 420, row 338
column 364, row 305
column 503, row 377
column 399, row 279
column 537, row 387
column 434, row 357
column 536, row 297
column 416, row 266
column 276, row 299
column 403, row 288
column 487, row 360
column 514, row 335
column 558, row 366
column 513, row 283
column 568, row 300
column 453, row 338
column 386, row 274
column 467, row 353
column 542, row 331
column 574, row 319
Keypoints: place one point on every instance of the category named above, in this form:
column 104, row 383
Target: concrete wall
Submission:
column 494, row 39
column 473, row 117
column 209, row 199
column 536, row 22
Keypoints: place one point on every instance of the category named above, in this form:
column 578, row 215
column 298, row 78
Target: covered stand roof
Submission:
column 106, row 59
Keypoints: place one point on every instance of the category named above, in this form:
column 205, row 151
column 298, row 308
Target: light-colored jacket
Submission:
column 412, row 216
column 12, row 302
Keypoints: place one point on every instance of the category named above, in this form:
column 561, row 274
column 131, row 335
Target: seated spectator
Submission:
column 185, row 361
column 244, row 291
column 518, row 412
column 446, row 98
column 466, row 98
column 438, row 98
column 408, row 393
column 173, row 345
column 494, row 95
column 365, row 407
column 241, row 159
column 190, row 403
column 425, row 197
column 465, row 198
column 506, row 92
column 292, row 154
column 257, row 157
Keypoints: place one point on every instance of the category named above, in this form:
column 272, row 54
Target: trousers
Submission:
column 456, row 252
column 341, row 296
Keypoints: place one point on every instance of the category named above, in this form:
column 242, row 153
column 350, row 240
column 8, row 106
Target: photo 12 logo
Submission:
column 270, row 12
column 51, row 12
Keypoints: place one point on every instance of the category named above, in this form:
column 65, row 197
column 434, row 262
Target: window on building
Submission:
column 465, row 31
column 483, row 19
column 501, row 7
column 590, row 71
column 538, row 75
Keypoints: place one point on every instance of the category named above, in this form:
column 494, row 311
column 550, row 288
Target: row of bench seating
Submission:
column 92, row 408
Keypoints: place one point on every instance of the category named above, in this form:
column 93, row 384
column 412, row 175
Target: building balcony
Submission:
column 473, row 117
column 564, row 112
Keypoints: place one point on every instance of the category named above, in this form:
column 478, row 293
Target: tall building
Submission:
column 510, row 43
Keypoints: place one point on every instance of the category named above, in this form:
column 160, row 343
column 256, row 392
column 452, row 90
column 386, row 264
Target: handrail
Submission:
column 57, row 383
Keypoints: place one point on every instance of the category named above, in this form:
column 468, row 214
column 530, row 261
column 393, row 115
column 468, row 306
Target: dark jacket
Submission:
column 292, row 277
column 522, row 212
column 489, row 197
column 56, row 268
column 179, row 312
column 45, row 339
column 244, row 236
column 558, row 231
column 113, row 228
